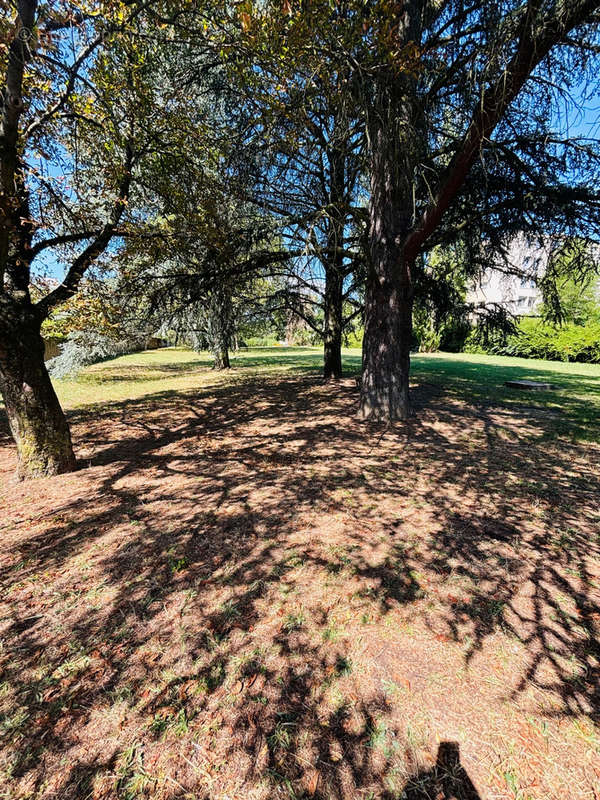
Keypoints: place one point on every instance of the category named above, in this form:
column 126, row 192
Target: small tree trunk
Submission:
column 332, row 369
column 334, row 266
column 220, row 329
column 332, row 339
column 36, row 420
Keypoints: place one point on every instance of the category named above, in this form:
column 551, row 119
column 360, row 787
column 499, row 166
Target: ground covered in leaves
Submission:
column 246, row 593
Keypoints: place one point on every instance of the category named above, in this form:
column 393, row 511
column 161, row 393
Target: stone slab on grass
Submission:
column 531, row 386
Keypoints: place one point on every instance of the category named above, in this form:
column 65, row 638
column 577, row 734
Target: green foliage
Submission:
column 537, row 339
column 300, row 335
column 88, row 310
column 88, row 347
column 570, row 285
column 261, row 341
column 569, row 328
column 427, row 337
column 453, row 335
column 578, row 300
column 448, row 334
column 355, row 338
column 439, row 316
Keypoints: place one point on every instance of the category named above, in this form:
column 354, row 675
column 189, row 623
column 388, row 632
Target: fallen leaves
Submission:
column 212, row 671
column 313, row 782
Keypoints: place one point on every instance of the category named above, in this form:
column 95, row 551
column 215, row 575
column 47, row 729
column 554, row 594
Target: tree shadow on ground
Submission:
column 234, row 593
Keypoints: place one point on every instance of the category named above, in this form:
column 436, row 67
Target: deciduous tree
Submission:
column 73, row 135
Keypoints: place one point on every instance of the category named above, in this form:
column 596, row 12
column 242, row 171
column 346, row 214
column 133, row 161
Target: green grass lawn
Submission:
column 478, row 378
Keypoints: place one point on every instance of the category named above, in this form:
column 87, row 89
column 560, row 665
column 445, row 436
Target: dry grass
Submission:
column 246, row 593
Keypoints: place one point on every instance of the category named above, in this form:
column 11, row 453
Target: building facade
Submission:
column 514, row 283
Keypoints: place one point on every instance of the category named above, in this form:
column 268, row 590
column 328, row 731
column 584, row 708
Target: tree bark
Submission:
column 221, row 357
column 221, row 329
column 396, row 139
column 389, row 290
column 36, row 420
column 387, row 339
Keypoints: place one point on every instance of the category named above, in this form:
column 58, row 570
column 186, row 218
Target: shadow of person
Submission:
column 448, row 780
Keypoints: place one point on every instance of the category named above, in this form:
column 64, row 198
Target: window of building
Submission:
column 531, row 268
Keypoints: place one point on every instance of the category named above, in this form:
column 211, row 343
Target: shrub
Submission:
column 86, row 347
column 448, row 335
column 426, row 338
column 536, row 339
column 261, row 341
column 453, row 334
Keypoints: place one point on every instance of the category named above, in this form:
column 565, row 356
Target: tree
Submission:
column 73, row 139
column 302, row 152
column 219, row 318
column 570, row 288
column 477, row 63
column 463, row 132
column 309, row 181
column 204, row 273
column 206, row 276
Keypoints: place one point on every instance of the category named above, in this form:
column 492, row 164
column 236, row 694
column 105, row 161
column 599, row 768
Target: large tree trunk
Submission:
column 332, row 339
column 36, row 420
column 384, row 392
column 221, row 356
column 389, row 290
column 387, row 339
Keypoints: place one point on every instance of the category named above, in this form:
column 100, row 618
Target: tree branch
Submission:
column 77, row 269
column 534, row 43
